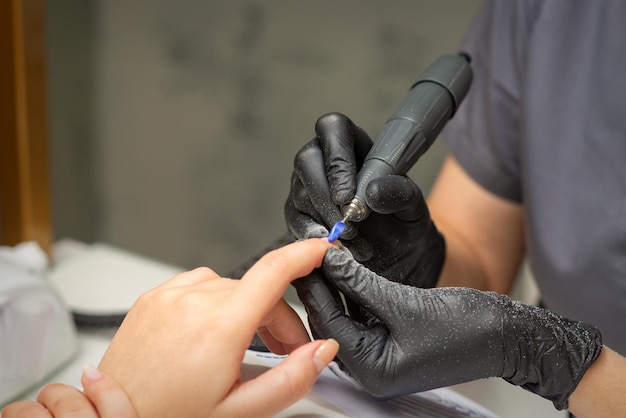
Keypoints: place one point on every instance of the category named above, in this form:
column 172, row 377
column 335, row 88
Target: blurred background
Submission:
column 174, row 124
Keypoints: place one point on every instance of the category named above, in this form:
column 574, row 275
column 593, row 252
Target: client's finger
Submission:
column 25, row 409
column 282, row 329
column 107, row 396
column 266, row 281
column 281, row 385
column 66, row 401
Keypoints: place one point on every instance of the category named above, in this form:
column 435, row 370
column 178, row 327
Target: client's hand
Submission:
column 179, row 351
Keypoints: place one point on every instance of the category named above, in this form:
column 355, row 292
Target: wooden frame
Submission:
column 25, row 213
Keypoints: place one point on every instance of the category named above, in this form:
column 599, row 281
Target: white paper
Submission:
column 346, row 394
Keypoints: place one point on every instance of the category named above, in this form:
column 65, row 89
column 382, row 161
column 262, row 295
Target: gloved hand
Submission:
column 420, row 339
column 398, row 240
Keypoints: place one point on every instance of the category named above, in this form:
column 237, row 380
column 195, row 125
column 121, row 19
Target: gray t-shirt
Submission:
column 544, row 124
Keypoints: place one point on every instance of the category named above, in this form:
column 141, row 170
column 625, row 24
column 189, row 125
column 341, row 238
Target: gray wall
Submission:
column 174, row 123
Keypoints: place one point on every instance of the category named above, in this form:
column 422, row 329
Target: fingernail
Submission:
column 325, row 353
column 91, row 373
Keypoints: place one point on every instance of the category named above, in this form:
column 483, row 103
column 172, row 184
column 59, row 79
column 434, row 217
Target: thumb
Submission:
column 396, row 195
column 106, row 395
column 282, row 385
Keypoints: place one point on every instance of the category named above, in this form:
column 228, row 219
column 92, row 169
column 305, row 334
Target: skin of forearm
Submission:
column 600, row 393
column 484, row 233
column 462, row 266
column 465, row 266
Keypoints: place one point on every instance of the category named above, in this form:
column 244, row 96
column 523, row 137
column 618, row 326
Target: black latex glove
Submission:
column 398, row 240
column 420, row 339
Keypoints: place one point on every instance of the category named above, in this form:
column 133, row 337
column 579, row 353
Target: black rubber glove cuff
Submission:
column 545, row 353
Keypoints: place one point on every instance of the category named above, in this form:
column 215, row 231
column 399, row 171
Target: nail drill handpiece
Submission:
column 411, row 129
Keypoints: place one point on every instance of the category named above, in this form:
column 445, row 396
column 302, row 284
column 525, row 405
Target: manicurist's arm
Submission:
column 601, row 391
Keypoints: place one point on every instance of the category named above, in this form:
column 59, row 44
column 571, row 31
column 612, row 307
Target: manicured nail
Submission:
column 335, row 243
column 325, row 353
column 91, row 373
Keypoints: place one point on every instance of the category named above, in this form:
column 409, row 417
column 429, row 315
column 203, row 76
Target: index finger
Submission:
column 264, row 284
column 344, row 146
column 25, row 409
